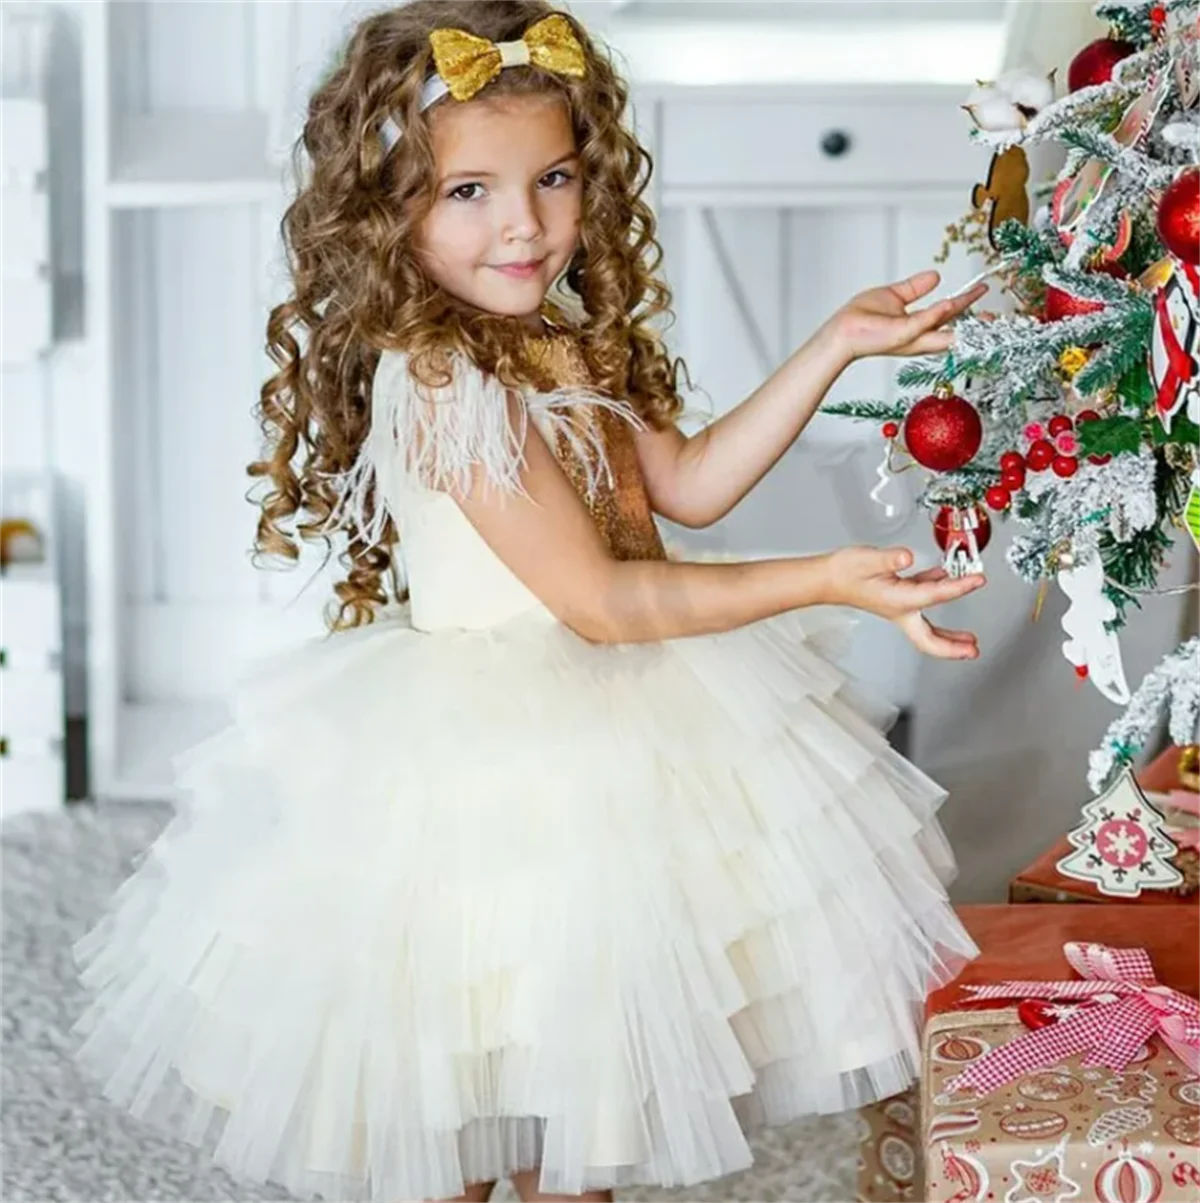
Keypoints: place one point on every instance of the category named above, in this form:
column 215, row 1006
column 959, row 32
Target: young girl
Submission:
column 560, row 860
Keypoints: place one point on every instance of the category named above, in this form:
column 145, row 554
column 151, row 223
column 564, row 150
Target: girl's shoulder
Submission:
column 441, row 425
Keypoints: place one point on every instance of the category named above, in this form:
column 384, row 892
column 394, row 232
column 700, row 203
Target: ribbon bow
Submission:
column 467, row 62
column 1110, row 1033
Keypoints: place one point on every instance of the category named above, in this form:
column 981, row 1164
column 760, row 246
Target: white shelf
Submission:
column 169, row 159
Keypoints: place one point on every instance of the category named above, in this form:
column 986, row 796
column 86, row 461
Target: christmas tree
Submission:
column 1077, row 415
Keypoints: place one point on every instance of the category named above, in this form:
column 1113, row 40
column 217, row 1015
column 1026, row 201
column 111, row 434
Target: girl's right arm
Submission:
column 549, row 541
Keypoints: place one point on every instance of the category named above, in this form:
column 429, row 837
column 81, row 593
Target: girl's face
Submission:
column 505, row 221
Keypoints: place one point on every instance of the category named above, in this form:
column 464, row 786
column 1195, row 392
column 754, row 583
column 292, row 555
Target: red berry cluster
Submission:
column 1058, row 451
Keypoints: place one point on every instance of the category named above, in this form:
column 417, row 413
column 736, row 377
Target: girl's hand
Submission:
column 868, row 579
column 877, row 322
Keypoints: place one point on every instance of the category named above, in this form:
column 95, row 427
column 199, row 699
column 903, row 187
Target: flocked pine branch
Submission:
column 1129, row 162
column 867, row 411
column 1113, row 361
column 1173, row 687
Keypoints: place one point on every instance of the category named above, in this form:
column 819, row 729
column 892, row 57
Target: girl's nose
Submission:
column 521, row 222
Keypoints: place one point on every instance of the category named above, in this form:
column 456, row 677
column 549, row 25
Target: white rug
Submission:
column 62, row 1141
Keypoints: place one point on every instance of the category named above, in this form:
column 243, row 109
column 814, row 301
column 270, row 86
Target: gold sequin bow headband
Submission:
column 466, row 63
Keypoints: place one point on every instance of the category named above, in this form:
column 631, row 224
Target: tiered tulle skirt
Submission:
column 437, row 907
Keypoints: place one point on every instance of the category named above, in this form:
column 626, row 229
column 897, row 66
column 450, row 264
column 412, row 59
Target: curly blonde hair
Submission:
column 358, row 288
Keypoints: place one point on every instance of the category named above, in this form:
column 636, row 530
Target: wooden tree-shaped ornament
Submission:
column 1122, row 846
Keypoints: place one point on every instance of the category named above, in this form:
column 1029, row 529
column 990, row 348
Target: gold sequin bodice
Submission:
column 621, row 509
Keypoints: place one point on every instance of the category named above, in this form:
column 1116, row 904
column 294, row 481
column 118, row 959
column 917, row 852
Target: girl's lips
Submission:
column 522, row 271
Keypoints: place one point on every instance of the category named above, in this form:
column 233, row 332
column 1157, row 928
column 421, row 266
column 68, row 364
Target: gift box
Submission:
column 1070, row 1126
column 1164, row 776
column 889, row 1150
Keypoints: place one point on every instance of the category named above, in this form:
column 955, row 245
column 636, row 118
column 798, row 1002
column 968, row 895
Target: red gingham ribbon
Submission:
column 1110, row 1033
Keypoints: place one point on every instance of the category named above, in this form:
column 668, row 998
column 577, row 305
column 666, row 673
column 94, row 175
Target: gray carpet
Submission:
column 63, row 1141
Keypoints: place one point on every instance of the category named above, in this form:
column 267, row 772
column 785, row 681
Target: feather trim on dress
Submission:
column 435, row 437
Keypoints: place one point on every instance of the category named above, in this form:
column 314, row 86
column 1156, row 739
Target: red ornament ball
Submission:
column 942, row 432
column 998, row 498
column 1095, row 62
column 1099, row 459
column 1013, row 478
column 891, row 429
column 1179, row 216
column 1060, row 424
column 1010, row 460
column 1087, row 415
column 1064, row 465
column 1060, row 304
column 949, row 527
column 1041, row 455
column 1081, row 671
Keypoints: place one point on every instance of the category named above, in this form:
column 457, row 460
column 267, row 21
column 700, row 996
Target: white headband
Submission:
column 434, row 88
column 512, row 54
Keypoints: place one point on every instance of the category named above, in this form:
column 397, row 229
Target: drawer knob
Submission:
column 835, row 143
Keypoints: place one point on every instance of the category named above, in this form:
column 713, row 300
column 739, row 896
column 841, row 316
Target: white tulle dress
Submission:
column 459, row 893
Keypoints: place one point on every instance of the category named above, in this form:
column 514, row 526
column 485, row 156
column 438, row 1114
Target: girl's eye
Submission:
column 566, row 176
column 457, row 193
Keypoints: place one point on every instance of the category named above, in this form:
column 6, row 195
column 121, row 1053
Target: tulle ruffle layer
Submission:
column 437, row 907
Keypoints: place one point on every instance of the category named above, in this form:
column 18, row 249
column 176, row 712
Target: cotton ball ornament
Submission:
column 1011, row 101
column 993, row 110
column 1028, row 90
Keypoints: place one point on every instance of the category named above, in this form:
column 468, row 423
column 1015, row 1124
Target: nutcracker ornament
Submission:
column 962, row 533
column 1175, row 345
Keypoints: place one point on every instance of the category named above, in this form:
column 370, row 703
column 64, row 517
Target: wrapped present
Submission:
column 889, row 1150
column 1064, row 1062
column 1168, row 782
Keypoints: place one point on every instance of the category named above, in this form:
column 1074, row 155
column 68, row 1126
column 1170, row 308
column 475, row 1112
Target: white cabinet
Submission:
column 25, row 250
column 767, row 225
column 32, row 712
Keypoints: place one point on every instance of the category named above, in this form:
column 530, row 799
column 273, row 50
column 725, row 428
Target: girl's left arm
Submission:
column 697, row 480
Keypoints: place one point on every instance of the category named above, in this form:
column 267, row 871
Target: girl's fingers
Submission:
column 928, row 344
column 934, row 641
column 968, row 637
column 929, row 574
column 916, row 286
column 937, row 593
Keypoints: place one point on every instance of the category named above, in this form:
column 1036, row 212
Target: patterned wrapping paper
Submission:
column 889, row 1150
column 1066, row 1133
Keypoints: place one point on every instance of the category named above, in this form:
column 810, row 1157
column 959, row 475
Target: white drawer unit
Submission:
column 32, row 624
column 914, row 139
column 32, row 700
column 25, row 262
column 32, row 775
